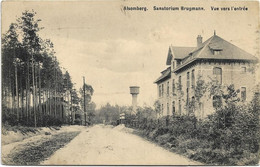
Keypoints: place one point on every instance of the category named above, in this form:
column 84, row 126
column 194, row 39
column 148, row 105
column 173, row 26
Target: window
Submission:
column 243, row 70
column 162, row 90
column 178, row 62
column 193, row 78
column 180, row 86
column 162, row 108
column 168, row 89
column 188, row 96
column 217, row 72
column 243, row 94
column 173, row 65
column 188, row 86
column 180, row 107
column 188, row 79
column 192, row 104
column 173, row 107
column 168, row 109
column 193, row 100
column 173, row 86
column 217, row 101
column 216, row 52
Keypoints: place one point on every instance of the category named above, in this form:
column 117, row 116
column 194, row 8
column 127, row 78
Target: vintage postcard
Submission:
column 130, row 82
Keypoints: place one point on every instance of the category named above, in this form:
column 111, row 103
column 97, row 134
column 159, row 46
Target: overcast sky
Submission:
column 114, row 49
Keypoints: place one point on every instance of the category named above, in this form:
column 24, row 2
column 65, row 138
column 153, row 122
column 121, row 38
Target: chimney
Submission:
column 199, row 41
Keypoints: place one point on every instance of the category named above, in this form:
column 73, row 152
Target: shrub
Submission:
column 77, row 121
column 8, row 116
column 163, row 139
column 48, row 120
column 230, row 136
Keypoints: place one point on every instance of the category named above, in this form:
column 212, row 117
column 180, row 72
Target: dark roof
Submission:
column 179, row 53
column 227, row 50
column 165, row 75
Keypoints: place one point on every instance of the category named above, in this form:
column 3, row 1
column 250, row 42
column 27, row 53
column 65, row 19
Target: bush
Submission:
column 230, row 136
column 48, row 120
column 77, row 121
column 163, row 139
column 8, row 117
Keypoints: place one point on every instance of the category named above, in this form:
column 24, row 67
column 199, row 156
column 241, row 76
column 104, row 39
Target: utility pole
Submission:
column 84, row 91
column 55, row 84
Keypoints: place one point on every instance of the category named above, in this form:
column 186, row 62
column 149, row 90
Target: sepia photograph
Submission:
column 130, row 82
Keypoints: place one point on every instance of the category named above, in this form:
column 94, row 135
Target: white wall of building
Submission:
column 232, row 73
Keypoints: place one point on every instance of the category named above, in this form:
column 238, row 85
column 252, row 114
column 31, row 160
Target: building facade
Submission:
column 212, row 61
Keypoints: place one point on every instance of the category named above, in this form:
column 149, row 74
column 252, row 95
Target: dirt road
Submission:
column 105, row 145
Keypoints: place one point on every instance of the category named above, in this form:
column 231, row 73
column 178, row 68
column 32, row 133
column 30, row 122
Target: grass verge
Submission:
column 36, row 152
column 198, row 150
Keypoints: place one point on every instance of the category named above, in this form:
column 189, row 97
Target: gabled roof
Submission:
column 181, row 52
column 178, row 52
column 165, row 75
column 227, row 50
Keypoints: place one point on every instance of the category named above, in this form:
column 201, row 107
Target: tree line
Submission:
column 35, row 89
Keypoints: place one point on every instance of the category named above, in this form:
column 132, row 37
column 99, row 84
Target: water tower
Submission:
column 134, row 91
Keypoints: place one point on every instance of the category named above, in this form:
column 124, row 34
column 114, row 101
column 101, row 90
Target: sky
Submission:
column 115, row 49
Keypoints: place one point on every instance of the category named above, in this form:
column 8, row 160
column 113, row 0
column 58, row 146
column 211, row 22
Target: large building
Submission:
column 215, row 60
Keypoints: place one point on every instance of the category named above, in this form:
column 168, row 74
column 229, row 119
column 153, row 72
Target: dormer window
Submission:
column 178, row 62
column 216, row 52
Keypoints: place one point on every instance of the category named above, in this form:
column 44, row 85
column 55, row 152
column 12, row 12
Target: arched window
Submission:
column 193, row 100
column 180, row 107
column 188, row 79
column 193, row 78
column 188, row 96
column 162, row 108
column 173, row 107
column 173, row 86
column 180, row 86
column 162, row 90
column 217, row 72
